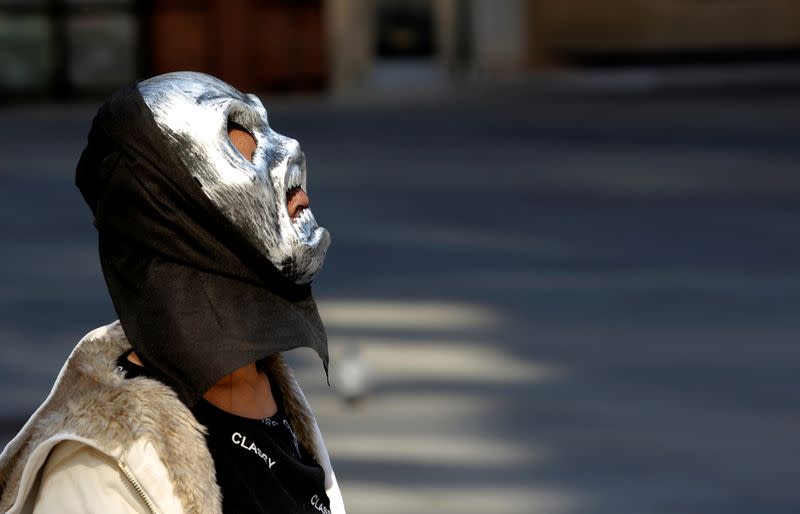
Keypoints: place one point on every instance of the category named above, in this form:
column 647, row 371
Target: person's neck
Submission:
column 245, row 392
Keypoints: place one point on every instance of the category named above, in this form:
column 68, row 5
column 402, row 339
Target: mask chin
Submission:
column 308, row 252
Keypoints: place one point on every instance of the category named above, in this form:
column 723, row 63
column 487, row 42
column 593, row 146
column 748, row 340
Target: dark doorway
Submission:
column 405, row 30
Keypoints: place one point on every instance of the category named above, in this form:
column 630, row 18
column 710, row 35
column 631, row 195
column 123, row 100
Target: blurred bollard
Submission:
column 352, row 376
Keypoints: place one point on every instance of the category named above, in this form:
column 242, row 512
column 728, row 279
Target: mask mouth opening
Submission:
column 296, row 202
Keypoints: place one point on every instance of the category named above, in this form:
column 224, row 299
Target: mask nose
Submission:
column 295, row 156
column 295, row 164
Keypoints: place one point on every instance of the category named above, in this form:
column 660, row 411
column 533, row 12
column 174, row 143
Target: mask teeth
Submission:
column 295, row 179
column 312, row 223
column 305, row 224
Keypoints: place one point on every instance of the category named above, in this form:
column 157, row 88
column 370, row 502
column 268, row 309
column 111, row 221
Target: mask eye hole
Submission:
column 242, row 140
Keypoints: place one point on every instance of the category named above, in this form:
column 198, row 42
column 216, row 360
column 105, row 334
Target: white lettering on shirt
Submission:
column 241, row 440
column 316, row 502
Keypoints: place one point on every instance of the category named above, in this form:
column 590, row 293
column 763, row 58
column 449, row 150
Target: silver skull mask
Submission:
column 194, row 110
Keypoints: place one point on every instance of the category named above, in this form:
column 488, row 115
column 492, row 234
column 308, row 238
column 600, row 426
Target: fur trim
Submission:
column 92, row 401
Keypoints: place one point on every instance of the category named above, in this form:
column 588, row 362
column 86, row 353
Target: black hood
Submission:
column 195, row 298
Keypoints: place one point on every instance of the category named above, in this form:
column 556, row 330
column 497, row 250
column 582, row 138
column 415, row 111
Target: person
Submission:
column 208, row 247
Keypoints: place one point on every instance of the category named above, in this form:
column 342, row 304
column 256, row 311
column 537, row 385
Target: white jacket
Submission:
column 104, row 444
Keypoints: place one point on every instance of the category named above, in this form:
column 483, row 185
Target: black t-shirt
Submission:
column 261, row 467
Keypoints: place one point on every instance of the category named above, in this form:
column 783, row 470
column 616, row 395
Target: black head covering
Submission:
column 195, row 298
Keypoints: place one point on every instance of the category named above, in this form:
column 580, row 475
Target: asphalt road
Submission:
column 569, row 303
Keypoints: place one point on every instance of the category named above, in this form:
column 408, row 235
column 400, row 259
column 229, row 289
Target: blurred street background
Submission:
column 566, row 238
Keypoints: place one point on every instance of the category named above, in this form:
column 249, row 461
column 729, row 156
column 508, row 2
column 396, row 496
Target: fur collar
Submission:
column 92, row 401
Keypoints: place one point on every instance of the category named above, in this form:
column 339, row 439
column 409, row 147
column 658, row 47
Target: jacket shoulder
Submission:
column 78, row 478
column 92, row 401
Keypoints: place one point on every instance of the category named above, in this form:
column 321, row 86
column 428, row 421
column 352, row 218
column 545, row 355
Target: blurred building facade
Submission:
column 65, row 48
